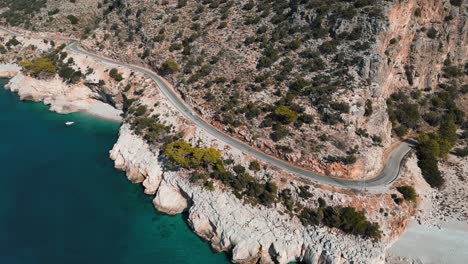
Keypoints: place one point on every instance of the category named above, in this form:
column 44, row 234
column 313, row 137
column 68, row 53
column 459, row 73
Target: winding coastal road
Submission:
column 387, row 176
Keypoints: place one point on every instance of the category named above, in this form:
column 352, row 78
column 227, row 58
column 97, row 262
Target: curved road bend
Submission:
column 387, row 176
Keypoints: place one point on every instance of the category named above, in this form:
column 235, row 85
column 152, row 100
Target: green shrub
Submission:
column 198, row 176
column 432, row 33
column 368, row 108
column 304, row 192
column 239, row 169
column 181, row 3
column 269, row 56
column 174, row 19
column 254, row 166
column 40, row 67
column 209, row 185
column 140, row 110
column 285, row 115
column 408, row 115
column 340, row 107
column 181, row 154
column 408, row 193
column 401, row 131
column 279, row 134
column 461, row 152
column 321, row 202
column 311, row 217
column 249, row 5
column 73, row 19
column 170, row 67
column 53, row 12
column 328, row 47
column 417, row 12
column 69, row 75
column 114, row 74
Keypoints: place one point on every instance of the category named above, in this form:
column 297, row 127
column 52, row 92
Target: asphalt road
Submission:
column 388, row 175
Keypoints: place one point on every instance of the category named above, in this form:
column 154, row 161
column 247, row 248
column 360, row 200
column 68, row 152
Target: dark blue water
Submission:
column 61, row 201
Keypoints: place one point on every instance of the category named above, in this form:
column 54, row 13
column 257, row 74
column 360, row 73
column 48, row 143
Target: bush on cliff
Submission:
column 114, row 74
column 170, row 67
column 408, row 193
column 69, row 75
column 40, row 67
column 285, row 115
column 346, row 219
column 182, row 154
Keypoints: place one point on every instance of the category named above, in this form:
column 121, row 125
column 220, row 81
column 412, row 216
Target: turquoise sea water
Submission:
column 61, row 201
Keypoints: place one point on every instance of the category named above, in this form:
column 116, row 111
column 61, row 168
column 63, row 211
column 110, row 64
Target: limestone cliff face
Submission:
column 249, row 233
column 414, row 56
column 408, row 57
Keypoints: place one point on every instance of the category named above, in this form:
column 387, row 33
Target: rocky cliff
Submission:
column 411, row 45
column 420, row 38
column 248, row 233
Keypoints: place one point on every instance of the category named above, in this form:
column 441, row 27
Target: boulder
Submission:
column 169, row 200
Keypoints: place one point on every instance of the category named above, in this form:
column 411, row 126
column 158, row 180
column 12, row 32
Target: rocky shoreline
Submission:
column 248, row 233
column 61, row 97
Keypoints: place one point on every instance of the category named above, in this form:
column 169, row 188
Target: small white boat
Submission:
column 69, row 123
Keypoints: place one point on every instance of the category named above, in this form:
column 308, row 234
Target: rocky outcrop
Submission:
column 249, row 233
column 138, row 160
column 169, row 199
column 61, row 97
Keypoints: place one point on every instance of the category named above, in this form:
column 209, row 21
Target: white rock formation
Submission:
column 249, row 233
column 62, row 97
column 138, row 161
column 169, row 199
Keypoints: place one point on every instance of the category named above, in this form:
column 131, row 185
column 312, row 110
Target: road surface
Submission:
column 388, row 175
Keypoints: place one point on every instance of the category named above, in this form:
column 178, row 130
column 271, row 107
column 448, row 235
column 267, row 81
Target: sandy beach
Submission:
column 432, row 245
column 104, row 111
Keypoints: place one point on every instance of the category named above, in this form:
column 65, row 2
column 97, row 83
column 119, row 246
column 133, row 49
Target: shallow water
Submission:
column 61, row 201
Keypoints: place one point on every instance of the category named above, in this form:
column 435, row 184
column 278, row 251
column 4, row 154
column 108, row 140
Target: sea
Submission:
column 62, row 201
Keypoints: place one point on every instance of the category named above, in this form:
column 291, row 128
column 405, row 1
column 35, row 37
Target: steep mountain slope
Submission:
column 290, row 78
column 304, row 80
